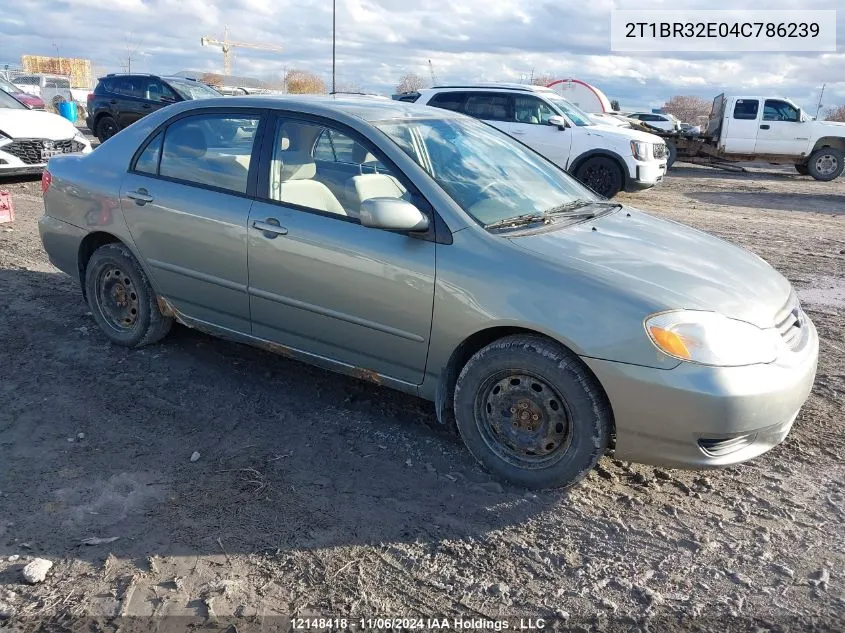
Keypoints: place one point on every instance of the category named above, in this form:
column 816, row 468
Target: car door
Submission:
column 186, row 201
column 781, row 130
column 157, row 95
column 322, row 283
column 531, row 126
column 129, row 101
column 741, row 134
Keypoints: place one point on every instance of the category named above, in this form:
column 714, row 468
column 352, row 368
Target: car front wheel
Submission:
column 531, row 412
column 121, row 299
column 602, row 175
column 826, row 163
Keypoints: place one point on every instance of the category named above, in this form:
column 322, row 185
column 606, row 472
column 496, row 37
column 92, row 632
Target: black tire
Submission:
column 673, row 154
column 121, row 299
column 106, row 128
column 802, row 169
column 602, row 175
column 826, row 164
column 531, row 412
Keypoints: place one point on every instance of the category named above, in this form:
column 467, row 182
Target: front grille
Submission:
column 791, row 323
column 660, row 150
column 29, row 149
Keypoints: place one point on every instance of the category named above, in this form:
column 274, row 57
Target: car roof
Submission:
column 496, row 86
column 368, row 108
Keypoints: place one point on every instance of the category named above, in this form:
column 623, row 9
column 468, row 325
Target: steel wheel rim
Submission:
column 827, row 164
column 523, row 419
column 117, row 299
column 599, row 179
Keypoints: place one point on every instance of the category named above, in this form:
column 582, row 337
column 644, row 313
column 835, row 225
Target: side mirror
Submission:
column 392, row 214
column 559, row 121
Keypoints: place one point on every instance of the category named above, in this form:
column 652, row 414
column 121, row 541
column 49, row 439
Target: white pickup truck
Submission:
column 768, row 129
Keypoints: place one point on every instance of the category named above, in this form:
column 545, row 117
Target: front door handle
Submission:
column 517, row 132
column 764, row 127
column 146, row 106
column 140, row 196
column 270, row 227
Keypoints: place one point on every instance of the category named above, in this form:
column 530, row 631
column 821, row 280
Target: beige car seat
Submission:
column 293, row 182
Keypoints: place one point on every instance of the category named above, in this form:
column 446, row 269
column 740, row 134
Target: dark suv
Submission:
column 121, row 99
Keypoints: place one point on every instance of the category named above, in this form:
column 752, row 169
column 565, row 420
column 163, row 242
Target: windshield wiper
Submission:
column 519, row 220
column 579, row 204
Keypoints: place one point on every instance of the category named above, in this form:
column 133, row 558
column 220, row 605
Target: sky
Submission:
column 380, row 40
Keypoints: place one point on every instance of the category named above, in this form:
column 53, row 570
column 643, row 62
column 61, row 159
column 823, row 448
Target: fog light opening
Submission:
column 718, row 447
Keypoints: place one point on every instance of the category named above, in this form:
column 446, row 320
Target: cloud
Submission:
column 380, row 40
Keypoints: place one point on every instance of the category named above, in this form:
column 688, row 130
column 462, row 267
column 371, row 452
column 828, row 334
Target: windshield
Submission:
column 575, row 114
column 487, row 173
column 193, row 89
column 8, row 101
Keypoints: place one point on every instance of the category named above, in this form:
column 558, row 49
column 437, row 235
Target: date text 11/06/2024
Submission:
column 423, row 624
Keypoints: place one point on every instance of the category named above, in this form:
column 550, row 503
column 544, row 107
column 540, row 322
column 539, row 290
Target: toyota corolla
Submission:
column 429, row 252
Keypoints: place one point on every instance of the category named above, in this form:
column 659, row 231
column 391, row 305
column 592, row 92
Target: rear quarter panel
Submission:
column 85, row 192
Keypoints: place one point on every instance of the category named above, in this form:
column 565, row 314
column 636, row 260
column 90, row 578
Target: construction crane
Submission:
column 431, row 72
column 227, row 46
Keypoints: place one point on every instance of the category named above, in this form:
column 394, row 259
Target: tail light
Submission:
column 46, row 181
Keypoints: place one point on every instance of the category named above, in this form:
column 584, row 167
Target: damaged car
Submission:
column 423, row 250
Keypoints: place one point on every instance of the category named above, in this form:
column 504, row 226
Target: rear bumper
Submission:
column 696, row 416
column 61, row 243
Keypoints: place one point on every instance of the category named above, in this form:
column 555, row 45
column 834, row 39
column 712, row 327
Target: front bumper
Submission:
column 646, row 174
column 694, row 416
column 15, row 163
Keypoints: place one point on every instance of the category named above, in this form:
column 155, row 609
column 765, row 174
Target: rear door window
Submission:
column 147, row 162
column 213, row 150
column 746, row 109
column 489, row 106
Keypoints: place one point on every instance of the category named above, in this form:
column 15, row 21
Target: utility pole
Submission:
column 819, row 107
column 334, row 40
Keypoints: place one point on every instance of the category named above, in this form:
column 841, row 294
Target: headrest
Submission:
column 185, row 141
column 297, row 166
column 360, row 155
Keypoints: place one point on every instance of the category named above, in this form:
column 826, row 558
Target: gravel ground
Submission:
column 316, row 494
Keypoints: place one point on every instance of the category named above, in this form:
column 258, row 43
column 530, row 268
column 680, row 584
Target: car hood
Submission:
column 35, row 124
column 670, row 264
column 622, row 133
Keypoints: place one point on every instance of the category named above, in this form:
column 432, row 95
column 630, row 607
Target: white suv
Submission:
column 607, row 159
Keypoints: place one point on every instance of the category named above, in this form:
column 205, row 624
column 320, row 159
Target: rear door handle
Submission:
column 140, row 196
column 764, row 127
column 270, row 227
column 146, row 106
column 517, row 132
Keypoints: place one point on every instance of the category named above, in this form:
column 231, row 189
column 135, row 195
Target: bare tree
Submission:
column 410, row 82
column 687, row 108
column 835, row 114
column 304, row 82
column 542, row 80
column 614, row 105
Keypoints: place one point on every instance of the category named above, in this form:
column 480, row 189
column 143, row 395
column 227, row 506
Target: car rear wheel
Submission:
column 826, row 163
column 106, row 128
column 531, row 412
column 121, row 299
column 602, row 175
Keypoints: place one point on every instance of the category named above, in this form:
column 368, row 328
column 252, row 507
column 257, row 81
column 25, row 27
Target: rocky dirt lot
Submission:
column 316, row 494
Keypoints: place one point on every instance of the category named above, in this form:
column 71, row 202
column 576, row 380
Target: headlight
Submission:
column 710, row 338
column 640, row 150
